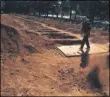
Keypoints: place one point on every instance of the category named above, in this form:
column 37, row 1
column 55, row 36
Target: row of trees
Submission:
column 91, row 9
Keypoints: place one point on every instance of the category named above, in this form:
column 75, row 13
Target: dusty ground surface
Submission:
column 30, row 65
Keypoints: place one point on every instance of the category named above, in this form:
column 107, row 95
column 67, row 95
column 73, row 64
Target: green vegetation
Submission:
column 92, row 9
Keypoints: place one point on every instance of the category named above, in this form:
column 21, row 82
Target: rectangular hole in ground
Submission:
column 68, row 42
column 59, row 36
column 32, row 32
column 46, row 33
column 47, row 30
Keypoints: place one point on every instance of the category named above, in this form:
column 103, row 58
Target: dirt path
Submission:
column 47, row 73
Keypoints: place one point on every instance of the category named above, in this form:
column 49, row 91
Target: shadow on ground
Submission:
column 93, row 79
column 84, row 58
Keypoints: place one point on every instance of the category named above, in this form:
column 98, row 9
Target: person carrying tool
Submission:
column 86, row 32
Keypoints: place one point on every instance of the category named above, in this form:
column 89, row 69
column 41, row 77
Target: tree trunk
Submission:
column 47, row 13
column 39, row 13
column 70, row 14
column 57, row 15
column 75, row 16
column 92, row 19
column 52, row 14
column 62, row 15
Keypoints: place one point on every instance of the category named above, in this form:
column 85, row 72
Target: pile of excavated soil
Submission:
column 11, row 44
column 8, row 20
column 99, row 36
column 10, row 40
column 15, row 41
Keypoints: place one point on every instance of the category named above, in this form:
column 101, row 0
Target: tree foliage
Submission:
column 91, row 9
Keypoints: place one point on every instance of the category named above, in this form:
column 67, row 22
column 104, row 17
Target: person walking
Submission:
column 86, row 32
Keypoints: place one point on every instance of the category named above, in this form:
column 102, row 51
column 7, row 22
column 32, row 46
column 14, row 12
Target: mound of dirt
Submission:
column 100, row 37
column 30, row 49
column 15, row 42
column 7, row 19
column 12, row 44
column 9, row 40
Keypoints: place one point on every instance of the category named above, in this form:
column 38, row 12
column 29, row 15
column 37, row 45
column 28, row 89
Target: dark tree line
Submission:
column 91, row 9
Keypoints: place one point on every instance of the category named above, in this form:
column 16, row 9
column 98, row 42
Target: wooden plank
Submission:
column 73, row 50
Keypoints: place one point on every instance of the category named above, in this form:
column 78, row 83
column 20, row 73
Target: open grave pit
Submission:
column 59, row 36
column 67, row 41
column 46, row 32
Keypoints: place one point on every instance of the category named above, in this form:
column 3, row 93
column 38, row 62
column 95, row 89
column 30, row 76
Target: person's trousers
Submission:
column 85, row 40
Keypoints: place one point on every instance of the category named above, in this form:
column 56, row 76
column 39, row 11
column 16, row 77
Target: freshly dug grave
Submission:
column 98, row 35
column 68, row 42
column 59, row 36
column 38, row 41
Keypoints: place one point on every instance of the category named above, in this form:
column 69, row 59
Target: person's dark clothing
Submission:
column 85, row 40
column 86, row 30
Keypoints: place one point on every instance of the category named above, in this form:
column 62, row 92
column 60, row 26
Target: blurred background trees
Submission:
column 93, row 10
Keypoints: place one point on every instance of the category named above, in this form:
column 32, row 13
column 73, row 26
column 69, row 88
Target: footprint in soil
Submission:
column 66, row 71
column 78, row 80
column 66, row 74
column 22, row 92
column 8, row 91
column 24, row 61
column 65, row 88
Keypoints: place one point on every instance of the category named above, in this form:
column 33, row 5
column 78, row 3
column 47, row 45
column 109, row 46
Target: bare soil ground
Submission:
column 30, row 66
